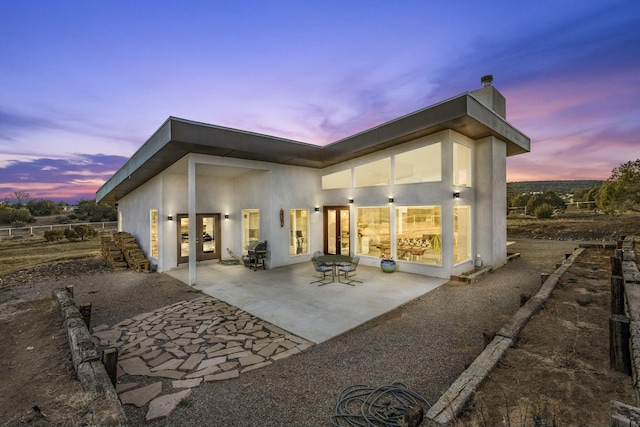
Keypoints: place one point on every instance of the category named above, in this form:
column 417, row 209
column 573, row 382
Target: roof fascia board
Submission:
column 517, row 142
column 159, row 139
column 176, row 137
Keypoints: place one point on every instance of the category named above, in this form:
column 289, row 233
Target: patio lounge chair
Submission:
column 348, row 271
column 324, row 269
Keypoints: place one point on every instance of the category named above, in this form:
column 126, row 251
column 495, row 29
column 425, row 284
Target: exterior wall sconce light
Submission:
column 456, row 195
column 390, row 199
column 350, row 200
column 170, row 218
column 317, row 209
column 226, row 216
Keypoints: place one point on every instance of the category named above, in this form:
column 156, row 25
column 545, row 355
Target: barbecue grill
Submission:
column 257, row 253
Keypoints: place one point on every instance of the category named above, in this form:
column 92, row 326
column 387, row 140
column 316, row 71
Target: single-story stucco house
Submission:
column 427, row 189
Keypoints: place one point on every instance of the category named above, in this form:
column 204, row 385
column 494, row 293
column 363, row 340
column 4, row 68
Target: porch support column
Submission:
column 191, row 190
column 491, row 201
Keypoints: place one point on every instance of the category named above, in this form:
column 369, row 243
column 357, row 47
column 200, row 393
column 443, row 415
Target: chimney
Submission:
column 487, row 80
column 490, row 97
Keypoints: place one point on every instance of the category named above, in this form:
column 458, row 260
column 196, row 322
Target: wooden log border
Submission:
column 107, row 408
column 451, row 404
column 631, row 300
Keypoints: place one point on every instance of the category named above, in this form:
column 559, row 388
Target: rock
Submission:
column 163, row 406
column 141, row 396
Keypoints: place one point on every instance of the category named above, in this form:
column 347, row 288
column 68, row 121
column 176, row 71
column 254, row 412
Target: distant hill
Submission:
column 560, row 187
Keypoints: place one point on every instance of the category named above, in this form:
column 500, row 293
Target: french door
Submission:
column 207, row 237
column 337, row 222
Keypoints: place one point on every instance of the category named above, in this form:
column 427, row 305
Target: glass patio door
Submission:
column 337, row 230
column 207, row 237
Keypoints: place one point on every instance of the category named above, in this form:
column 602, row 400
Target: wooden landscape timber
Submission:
column 452, row 403
column 93, row 377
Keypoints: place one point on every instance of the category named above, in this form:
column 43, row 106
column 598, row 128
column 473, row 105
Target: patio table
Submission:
column 335, row 261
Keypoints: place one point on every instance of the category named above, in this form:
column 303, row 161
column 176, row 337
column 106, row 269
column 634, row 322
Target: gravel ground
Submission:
column 424, row 344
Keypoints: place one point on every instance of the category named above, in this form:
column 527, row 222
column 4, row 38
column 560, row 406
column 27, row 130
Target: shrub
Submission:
column 21, row 216
column 543, row 211
column 80, row 232
column 54, row 235
column 71, row 234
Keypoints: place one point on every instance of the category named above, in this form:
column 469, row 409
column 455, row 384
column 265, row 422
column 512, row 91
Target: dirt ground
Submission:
column 558, row 372
column 567, row 340
column 35, row 362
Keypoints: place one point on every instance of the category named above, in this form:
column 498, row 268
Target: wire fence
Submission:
column 37, row 230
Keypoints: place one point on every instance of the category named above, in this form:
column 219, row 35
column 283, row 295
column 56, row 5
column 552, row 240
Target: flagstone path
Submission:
column 190, row 343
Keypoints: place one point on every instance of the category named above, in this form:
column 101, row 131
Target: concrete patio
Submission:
column 286, row 298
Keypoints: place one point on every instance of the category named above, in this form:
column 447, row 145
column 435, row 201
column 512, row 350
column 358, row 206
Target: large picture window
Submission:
column 461, row 234
column 299, row 234
column 461, row 165
column 419, row 234
column 340, row 179
column 374, row 173
column 153, row 232
column 374, row 231
column 250, row 227
column 423, row 164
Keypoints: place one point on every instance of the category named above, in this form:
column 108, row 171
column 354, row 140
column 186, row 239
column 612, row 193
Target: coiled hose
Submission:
column 370, row 406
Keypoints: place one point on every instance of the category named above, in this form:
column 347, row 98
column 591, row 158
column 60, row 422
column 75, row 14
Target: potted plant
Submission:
column 388, row 265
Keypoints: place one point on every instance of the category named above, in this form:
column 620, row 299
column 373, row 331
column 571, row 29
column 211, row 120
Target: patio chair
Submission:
column 321, row 268
column 348, row 271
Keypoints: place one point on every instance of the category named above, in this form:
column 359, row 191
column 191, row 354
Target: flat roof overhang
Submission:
column 178, row 137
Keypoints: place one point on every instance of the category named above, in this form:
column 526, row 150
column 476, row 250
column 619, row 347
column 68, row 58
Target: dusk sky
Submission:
column 85, row 83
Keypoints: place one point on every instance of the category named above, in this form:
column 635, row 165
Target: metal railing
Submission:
column 40, row 229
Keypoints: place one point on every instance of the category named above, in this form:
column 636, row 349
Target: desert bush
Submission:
column 543, row 211
column 550, row 198
column 63, row 219
column 17, row 217
column 42, row 207
column 89, row 210
column 80, row 232
column 54, row 235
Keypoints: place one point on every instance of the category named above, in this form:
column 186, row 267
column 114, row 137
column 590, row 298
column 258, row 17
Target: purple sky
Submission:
column 84, row 84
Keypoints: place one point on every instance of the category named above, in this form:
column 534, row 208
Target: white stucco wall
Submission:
column 226, row 186
column 135, row 209
column 491, row 201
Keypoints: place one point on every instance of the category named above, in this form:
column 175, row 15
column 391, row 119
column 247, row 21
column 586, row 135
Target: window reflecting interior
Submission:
column 420, row 165
column 461, row 233
column 208, row 235
column 332, row 217
column 299, row 231
column 184, row 240
column 461, row 165
column 374, row 231
column 344, row 232
column 250, row 227
column 340, row 179
column 153, row 222
column 419, row 234
column 374, row 173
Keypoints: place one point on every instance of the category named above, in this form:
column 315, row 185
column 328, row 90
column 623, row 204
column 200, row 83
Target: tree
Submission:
column 17, row 217
column 42, row 207
column 621, row 192
column 20, row 196
column 89, row 210
column 551, row 198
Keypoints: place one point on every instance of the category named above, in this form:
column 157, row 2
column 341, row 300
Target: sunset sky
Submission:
column 85, row 83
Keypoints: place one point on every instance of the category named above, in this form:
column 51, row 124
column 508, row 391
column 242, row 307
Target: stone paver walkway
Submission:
column 190, row 343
